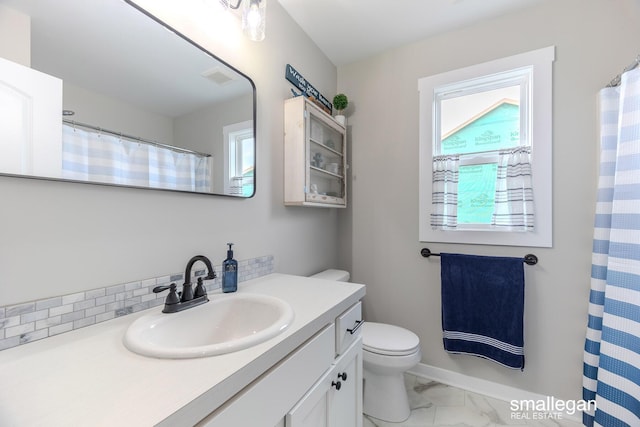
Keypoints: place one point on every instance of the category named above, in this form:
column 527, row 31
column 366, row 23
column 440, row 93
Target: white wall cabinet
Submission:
column 315, row 156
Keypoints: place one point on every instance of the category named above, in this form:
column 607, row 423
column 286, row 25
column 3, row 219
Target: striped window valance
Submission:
column 513, row 209
column 444, row 214
column 513, row 203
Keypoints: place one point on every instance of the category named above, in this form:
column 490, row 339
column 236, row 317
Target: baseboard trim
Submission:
column 484, row 387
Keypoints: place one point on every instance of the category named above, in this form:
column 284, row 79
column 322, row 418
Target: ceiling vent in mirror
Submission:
column 219, row 76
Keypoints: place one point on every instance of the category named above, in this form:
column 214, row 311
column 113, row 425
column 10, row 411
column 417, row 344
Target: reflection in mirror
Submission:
column 143, row 106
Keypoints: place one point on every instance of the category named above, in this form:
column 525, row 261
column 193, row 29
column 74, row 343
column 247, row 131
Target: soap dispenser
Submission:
column 229, row 272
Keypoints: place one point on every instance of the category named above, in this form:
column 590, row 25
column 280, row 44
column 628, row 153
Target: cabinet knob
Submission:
column 337, row 384
column 342, row 376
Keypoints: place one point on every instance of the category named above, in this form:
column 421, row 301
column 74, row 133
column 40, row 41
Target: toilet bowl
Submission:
column 387, row 352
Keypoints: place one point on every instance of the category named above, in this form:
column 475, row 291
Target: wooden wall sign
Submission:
column 295, row 78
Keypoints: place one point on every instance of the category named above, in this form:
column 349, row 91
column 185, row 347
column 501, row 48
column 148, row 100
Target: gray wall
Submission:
column 110, row 113
column 61, row 238
column 594, row 40
column 58, row 238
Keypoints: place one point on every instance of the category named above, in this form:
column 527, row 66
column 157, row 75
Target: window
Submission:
column 477, row 126
column 474, row 120
column 239, row 159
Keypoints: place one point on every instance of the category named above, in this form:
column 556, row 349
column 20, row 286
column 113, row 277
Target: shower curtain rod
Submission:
column 134, row 138
column 617, row 79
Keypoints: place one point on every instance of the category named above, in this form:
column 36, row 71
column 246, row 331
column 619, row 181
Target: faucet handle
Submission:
column 200, row 291
column 159, row 289
column 172, row 298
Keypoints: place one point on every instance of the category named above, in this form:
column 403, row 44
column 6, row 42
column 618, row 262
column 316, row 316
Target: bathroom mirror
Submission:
column 143, row 105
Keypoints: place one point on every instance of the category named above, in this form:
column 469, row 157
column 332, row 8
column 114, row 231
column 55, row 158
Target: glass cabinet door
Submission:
column 326, row 163
column 315, row 156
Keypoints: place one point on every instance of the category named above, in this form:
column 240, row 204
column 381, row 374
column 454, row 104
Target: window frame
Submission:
column 233, row 136
column 539, row 88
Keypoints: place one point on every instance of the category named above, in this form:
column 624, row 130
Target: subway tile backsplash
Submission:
column 35, row 320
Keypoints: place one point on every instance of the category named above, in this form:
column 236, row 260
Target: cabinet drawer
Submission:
column 348, row 327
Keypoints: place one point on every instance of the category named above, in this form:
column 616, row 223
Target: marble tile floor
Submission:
column 436, row 404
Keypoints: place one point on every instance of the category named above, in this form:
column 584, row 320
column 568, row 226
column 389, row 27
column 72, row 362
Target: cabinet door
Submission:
column 336, row 399
column 312, row 409
column 325, row 160
column 345, row 404
column 315, row 156
column 266, row 400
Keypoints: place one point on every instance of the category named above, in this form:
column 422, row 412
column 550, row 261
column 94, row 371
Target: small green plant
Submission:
column 340, row 102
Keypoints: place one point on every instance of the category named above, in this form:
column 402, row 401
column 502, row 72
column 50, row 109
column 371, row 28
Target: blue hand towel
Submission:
column 483, row 307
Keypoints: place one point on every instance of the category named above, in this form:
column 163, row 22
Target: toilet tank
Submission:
column 335, row 275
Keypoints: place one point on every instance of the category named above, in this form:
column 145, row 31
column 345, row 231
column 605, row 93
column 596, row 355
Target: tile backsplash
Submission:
column 35, row 320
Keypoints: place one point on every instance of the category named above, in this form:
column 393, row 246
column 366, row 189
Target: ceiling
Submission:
column 350, row 30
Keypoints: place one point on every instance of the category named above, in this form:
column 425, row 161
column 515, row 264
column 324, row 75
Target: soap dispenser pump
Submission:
column 229, row 272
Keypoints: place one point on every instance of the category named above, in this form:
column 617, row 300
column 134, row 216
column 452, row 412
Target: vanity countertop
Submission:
column 87, row 377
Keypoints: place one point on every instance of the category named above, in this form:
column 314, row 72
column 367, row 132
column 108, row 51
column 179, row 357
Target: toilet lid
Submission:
column 388, row 340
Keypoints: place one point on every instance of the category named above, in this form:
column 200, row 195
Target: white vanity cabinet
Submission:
column 315, row 156
column 317, row 385
column 336, row 399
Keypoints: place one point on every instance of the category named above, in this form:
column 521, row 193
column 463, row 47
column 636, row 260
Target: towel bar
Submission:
column 529, row 259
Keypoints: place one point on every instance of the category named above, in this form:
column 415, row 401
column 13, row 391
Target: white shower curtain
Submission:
column 612, row 347
column 100, row 157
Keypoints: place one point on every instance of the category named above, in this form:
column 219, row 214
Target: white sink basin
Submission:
column 227, row 323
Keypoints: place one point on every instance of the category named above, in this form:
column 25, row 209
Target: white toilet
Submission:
column 388, row 351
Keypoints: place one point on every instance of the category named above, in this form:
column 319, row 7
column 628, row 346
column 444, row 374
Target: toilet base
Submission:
column 385, row 397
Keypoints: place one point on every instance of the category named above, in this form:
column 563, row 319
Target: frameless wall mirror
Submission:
column 99, row 92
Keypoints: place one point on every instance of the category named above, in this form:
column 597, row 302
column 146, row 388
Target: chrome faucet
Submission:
column 188, row 297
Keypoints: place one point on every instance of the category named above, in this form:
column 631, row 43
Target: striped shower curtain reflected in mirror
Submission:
column 89, row 155
column 611, row 370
